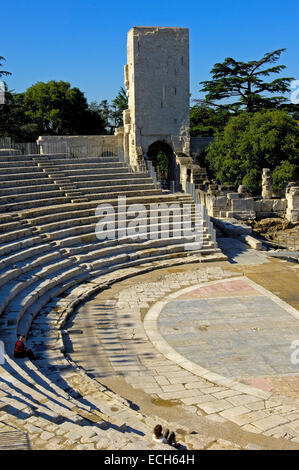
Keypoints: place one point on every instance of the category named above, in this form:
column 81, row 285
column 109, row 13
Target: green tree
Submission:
column 119, row 104
column 284, row 173
column 246, row 82
column 55, row 108
column 3, row 93
column 104, row 110
column 250, row 143
column 206, row 121
column 3, row 73
column 13, row 120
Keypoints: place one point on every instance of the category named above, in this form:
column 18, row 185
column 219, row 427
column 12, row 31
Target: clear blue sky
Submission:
column 84, row 42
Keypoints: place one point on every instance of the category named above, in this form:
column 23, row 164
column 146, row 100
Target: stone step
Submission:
column 14, row 184
column 15, row 158
column 64, row 166
column 87, row 173
column 45, row 294
column 87, row 235
column 40, row 399
column 30, row 295
column 94, row 177
column 20, row 170
column 66, row 222
column 53, row 384
column 67, row 219
column 15, row 235
column 144, row 226
column 13, row 292
column 17, row 246
column 11, row 191
column 33, row 290
column 7, row 218
column 115, row 193
column 40, row 216
column 134, row 251
column 71, row 159
column 109, row 187
column 16, row 163
column 95, row 245
column 35, row 203
column 151, row 255
column 24, row 176
column 10, row 226
column 28, row 196
column 24, row 266
column 19, row 206
column 91, row 185
column 32, row 156
column 24, row 254
column 146, row 200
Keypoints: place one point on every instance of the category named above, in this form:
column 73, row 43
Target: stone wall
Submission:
column 82, row 145
column 221, row 201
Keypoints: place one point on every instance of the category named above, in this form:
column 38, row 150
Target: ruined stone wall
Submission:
column 157, row 82
column 83, row 145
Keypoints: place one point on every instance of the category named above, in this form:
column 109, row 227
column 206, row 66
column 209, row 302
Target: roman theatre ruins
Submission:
column 166, row 319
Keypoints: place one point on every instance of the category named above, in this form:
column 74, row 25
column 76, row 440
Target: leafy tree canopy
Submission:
column 246, row 82
column 206, row 121
column 119, row 104
column 56, row 108
column 251, row 142
column 3, row 72
column 112, row 114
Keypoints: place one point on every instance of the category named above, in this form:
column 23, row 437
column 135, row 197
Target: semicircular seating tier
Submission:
column 48, row 244
column 48, row 223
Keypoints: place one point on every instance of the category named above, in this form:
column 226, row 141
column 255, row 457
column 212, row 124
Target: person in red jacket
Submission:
column 21, row 351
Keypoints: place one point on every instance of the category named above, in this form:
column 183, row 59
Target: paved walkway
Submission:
column 133, row 332
column 238, row 252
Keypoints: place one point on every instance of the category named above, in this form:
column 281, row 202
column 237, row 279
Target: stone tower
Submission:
column 157, row 83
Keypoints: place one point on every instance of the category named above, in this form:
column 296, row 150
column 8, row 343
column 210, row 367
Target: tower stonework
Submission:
column 157, row 83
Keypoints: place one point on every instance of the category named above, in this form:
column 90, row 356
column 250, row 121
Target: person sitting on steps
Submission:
column 157, row 434
column 21, row 352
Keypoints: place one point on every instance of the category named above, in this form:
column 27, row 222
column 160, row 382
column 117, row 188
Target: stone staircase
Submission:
column 48, row 245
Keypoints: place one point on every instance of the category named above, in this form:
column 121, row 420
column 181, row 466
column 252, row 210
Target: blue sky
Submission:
column 84, row 42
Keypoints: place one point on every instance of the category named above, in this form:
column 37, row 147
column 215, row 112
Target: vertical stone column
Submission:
column 292, row 197
column 266, row 184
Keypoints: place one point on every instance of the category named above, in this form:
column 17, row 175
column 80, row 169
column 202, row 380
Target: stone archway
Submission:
column 163, row 159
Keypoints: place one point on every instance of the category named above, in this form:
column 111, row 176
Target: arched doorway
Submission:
column 162, row 157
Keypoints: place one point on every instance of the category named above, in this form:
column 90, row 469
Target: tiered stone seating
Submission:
column 52, row 243
column 56, row 416
column 47, row 230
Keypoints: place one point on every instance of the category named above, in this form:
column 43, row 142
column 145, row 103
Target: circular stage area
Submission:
column 206, row 339
column 231, row 327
